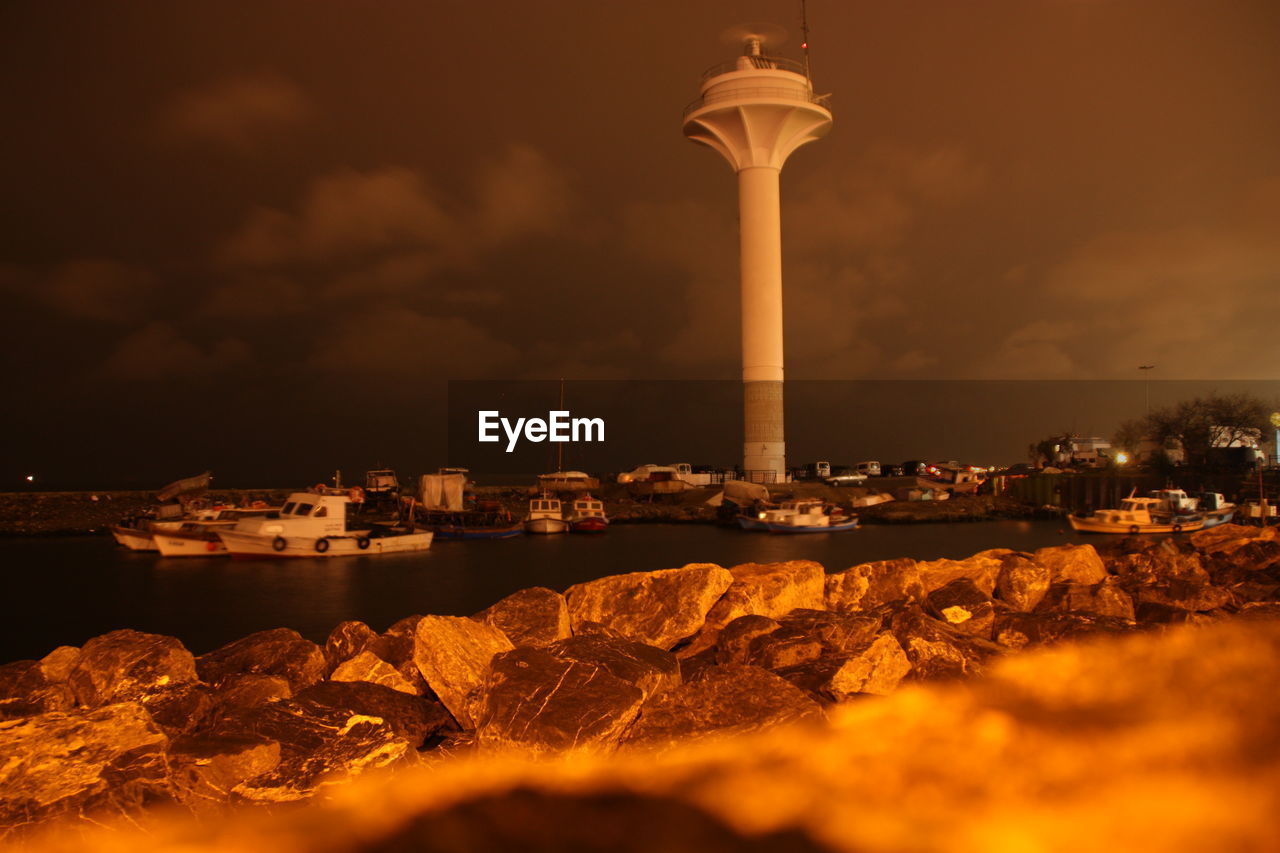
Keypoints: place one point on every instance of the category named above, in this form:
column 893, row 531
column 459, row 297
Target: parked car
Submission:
column 848, row 478
column 871, row 469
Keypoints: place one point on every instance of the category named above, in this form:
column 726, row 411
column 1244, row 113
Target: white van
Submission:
column 871, row 469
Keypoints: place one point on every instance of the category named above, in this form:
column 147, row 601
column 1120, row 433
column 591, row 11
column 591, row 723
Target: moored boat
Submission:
column 314, row 524
column 545, row 516
column 587, row 515
column 1137, row 515
column 804, row 516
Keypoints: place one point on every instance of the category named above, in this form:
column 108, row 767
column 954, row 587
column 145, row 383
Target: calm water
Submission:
column 66, row 590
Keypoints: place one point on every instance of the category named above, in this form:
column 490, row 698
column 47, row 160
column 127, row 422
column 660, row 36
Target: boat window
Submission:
column 288, row 508
column 322, row 512
column 304, row 509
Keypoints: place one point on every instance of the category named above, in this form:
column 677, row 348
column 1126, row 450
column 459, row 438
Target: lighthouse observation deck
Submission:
column 755, row 78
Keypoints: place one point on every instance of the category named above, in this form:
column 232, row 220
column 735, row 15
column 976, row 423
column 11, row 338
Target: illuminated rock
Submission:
column 1072, row 564
column 204, row 769
column 762, row 589
column 963, row 606
column 868, row 586
column 874, row 669
column 531, row 617
column 250, row 689
column 1019, row 630
column 1107, row 598
column 25, row 690
column 535, row 701
column 368, row 667
column 59, row 663
column 733, row 645
column 657, row 608
column 1022, row 582
column 280, row 651
column 938, row 650
column 453, row 655
column 729, row 700
column 1185, row 595
column 982, row 569
column 648, row 668
column 346, row 641
column 110, row 760
column 180, row 710
column 126, row 665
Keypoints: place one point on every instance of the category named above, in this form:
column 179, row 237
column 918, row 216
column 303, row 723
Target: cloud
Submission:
column 404, row 342
column 253, row 295
column 158, row 351
column 520, row 193
column 97, row 289
column 237, row 111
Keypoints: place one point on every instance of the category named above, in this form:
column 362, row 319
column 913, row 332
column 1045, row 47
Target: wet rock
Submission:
column 937, row 650
column 368, row 667
column 25, row 690
column 59, row 663
column 205, row 769
column 875, row 669
column 535, row 701
column 326, row 734
column 762, row 589
column 1019, row 630
column 453, row 655
column 530, row 617
column 981, row 569
column 128, row 665
column 734, row 643
column 109, row 760
column 1186, row 595
column 1072, row 564
column 962, row 606
column 1022, row 582
column 870, row 585
column 1101, row 599
column 657, row 608
column 280, row 651
column 346, row 641
column 648, row 668
column 729, row 700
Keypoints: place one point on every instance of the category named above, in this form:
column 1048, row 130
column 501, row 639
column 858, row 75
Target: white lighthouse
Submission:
column 755, row 111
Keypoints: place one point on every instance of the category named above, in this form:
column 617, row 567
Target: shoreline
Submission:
column 90, row 513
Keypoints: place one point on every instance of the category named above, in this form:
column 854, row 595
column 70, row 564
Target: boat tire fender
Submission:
column 362, row 542
column 1177, row 528
column 322, row 545
column 278, row 544
column 1134, row 529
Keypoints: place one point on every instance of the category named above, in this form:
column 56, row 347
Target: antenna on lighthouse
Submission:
column 804, row 39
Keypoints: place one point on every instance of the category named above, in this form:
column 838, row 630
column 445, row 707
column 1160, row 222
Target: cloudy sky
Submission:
column 264, row 226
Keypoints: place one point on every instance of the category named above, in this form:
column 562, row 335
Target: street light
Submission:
column 1146, row 385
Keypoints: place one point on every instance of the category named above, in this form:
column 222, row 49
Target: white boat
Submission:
column 314, row 524
column 1137, row 515
column 545, row 516
column 1215, row 508
column 199, row 538
column 804, row 516
column 139, row 534
column 587, row 515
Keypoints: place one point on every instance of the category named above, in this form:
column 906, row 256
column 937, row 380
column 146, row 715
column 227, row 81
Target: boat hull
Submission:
column 174, row 545
column 241, row 544
column 775, row 527
column 1213, row 518
column 746, row 522
column 546, row 525
column 1129, row 528
column 449, row 532
column 133, row 538
column 589, row 525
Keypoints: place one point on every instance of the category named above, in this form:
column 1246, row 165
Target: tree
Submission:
column 1207, row 422
column 1046, row 451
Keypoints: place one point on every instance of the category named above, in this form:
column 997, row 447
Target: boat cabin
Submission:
column 304, row 514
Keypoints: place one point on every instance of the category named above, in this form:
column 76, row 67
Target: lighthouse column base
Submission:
column 764, row 450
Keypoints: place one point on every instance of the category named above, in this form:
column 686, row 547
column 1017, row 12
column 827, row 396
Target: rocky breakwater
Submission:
column 642, row 664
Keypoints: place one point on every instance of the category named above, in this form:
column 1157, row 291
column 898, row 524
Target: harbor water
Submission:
column 64, row 590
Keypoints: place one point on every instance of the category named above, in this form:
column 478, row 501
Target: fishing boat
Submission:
column 460, row 531
column 587, row 515
column 1215, row 508
column 803, row 516
column 545, row 516
column 199, row 537
column 315, row 524
column 1138, row 515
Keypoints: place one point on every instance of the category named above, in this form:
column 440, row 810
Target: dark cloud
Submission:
column 96, row 289
column 158, row 351
column 237, row 111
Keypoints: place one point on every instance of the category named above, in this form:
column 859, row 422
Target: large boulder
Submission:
column 1022, row 582
column 531, row 617
column 128, row 665
column 1107, row 598
column 280, row 651
column 1072, row 564
column 728, row 700
column 805, row 635
column 648, row 668
column 658, row 608
column 204, row 769
column 762, row 589
column 534, row 701
column 109, row 760
column 25, row 690
column 250, row 689
column 60, row 663
column 868, row 586
column 982, row 569
column 347, row 640
column 453, row 655
column 368, row 667
column 1019, row 630
column 1225, row 538
column 1159, row 563
column 963, row 606
column 734, row 643
column 938, row 650
column 874, row 669
column 1186, row 595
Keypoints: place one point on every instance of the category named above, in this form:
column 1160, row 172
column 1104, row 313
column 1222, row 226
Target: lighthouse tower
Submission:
column 755, row 111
